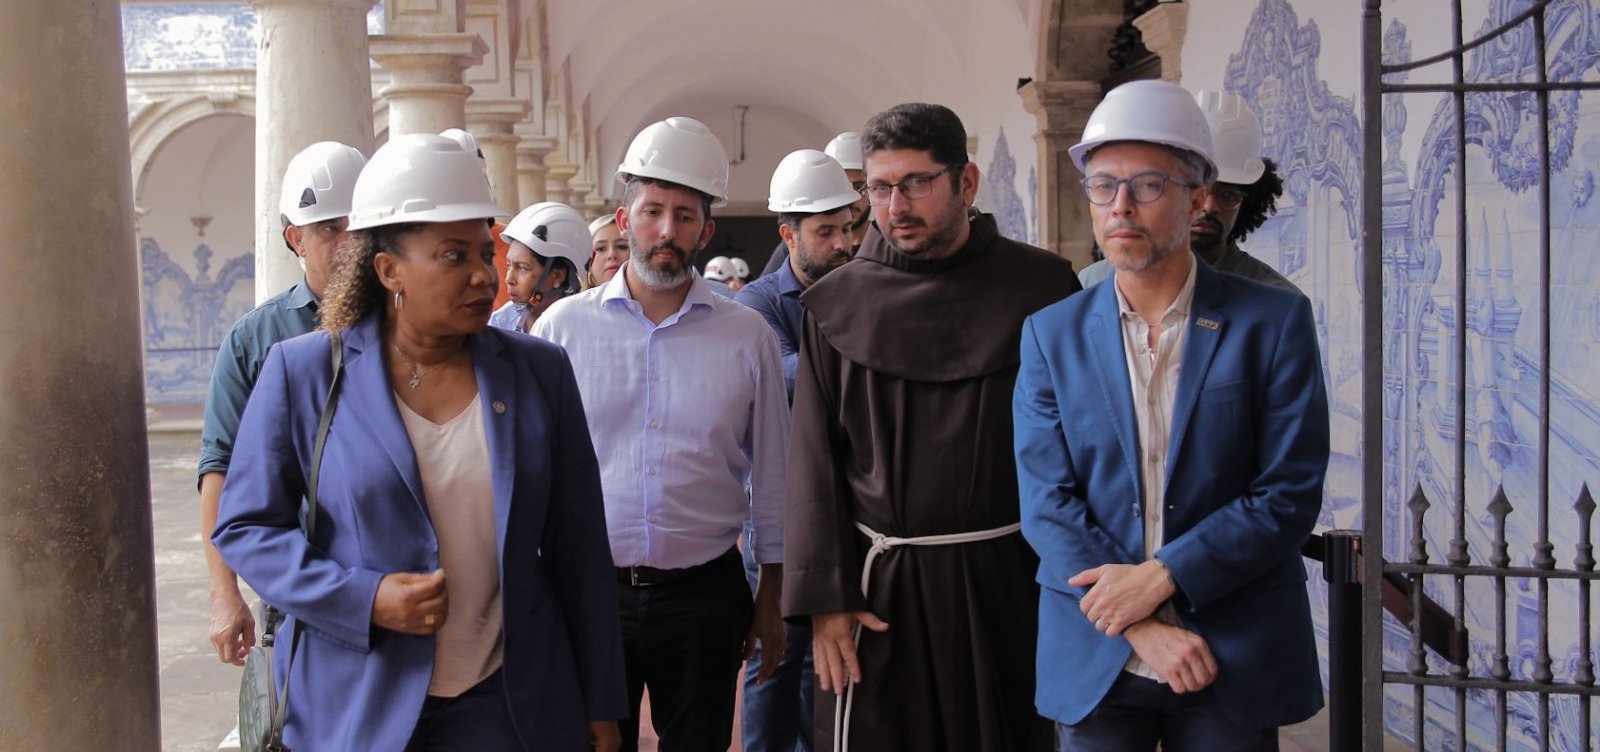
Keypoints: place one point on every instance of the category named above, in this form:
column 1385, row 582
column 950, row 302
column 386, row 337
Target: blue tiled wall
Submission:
column 197, row 36
column 1315, row 136
column 186, row 317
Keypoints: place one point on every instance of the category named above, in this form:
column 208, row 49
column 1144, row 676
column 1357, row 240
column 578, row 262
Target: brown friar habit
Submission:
column 902, row 421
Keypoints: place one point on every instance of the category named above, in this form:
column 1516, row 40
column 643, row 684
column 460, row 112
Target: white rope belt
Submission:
column 882, row 544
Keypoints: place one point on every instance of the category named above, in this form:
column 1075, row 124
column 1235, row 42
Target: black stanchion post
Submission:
column 1341, row 568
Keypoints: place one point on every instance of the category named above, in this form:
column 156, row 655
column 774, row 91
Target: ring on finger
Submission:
column 427, row 621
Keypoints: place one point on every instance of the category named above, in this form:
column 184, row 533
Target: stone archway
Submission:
column 196, row 250
column 152, row 126
column 1071, row 68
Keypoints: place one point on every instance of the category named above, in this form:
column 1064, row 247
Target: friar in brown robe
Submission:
column 902, row 423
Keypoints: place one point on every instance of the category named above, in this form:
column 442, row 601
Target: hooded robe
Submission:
column 902, row 421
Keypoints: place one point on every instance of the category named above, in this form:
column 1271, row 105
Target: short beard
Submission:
column 810, row 269
column 1204, row 244
column 858, row 229
column 1124, row 263
column 656, row 279
column 938, row 237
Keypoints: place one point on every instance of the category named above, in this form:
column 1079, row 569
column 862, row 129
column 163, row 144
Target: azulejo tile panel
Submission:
column 1314, row 135
column 198, row 36
column 185, row 318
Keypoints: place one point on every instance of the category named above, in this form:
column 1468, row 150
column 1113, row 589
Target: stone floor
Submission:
column 199, row 694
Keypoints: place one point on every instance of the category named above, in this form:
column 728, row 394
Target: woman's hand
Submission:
column 411, row 603
column 604, row 736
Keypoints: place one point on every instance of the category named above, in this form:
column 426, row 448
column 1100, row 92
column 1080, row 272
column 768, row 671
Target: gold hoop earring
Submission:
column 399, row 301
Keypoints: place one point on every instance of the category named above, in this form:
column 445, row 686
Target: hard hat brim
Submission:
column 676, row 178
column 440, row 214
column 1248, row 176
column 817, row 206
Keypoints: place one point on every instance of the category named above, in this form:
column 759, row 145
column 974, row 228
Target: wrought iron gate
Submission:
column 1504, row 545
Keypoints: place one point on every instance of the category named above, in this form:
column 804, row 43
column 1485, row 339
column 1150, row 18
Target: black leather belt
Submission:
column 651, row 576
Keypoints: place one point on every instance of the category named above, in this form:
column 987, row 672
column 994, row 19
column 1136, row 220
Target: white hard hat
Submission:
column 1156, row 112
column 318, row 182
column 421, row 177
column 741, row 268
column 846, row 148
column 1235, row 136
column 810, row 182
column 679, row 150
column 719, row 269
column 468, row 141
column 601, row 223
column 552, row 230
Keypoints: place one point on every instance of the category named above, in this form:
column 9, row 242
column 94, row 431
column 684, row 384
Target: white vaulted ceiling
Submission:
column 815, row 67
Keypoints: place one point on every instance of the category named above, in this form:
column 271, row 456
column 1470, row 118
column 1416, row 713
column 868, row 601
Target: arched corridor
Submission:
column 207, row 106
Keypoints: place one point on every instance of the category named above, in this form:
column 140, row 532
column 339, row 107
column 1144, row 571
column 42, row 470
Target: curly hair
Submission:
column 354, row 290
column 1260, row 202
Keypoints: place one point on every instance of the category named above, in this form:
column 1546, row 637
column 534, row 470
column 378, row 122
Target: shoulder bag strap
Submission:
column 336, row 344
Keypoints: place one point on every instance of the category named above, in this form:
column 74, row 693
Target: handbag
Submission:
column 263, row 706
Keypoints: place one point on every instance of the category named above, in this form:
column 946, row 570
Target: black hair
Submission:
column 1260, row 202
column 572, row 284
column 932, row 128
column 793, row 219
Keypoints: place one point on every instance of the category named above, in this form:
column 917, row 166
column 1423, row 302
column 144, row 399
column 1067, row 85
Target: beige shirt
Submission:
column 453, row 459
column 1153, row 381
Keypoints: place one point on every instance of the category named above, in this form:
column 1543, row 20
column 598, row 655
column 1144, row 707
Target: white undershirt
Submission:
column 1153, row 379
column 453, row 459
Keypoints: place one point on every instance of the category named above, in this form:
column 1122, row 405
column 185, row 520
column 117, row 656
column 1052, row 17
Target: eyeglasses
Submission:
column 912, row 188
column 1227, row 197
column 1145, row 187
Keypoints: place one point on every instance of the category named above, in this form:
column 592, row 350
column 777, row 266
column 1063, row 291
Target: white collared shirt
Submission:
column 689, row 417
column 1153, row 382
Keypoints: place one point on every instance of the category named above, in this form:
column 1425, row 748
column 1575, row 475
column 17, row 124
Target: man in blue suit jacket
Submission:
column 1171, row 438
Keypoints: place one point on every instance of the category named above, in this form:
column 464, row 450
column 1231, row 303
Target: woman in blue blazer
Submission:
column 459, row 591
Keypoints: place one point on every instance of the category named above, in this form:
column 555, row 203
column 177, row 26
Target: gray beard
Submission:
column 650, row 277
column 655, row 279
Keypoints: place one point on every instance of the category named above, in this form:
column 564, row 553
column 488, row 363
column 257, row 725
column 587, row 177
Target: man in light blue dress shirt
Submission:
column 686, row 403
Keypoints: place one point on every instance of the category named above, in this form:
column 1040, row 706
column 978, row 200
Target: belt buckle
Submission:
column 633, row 578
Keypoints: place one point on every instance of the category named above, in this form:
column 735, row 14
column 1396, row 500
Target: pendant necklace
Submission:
column 418, row 373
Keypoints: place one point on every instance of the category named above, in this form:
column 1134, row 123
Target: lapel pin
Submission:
column 499, row 407
column 1208, row 323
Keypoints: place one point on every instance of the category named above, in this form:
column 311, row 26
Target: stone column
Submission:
column 582, row 190
column 596, row 205
column 491, row 121
column 1163, row 28
column 425, row 92
column 1062, row 108
column 78, row 664
column 531, row 169
column 556, row 182
column 313, row 83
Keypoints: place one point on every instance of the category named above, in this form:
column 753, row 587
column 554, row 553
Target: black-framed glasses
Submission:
column 912, row 188
column 1227, row 196
column 1145, row 187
